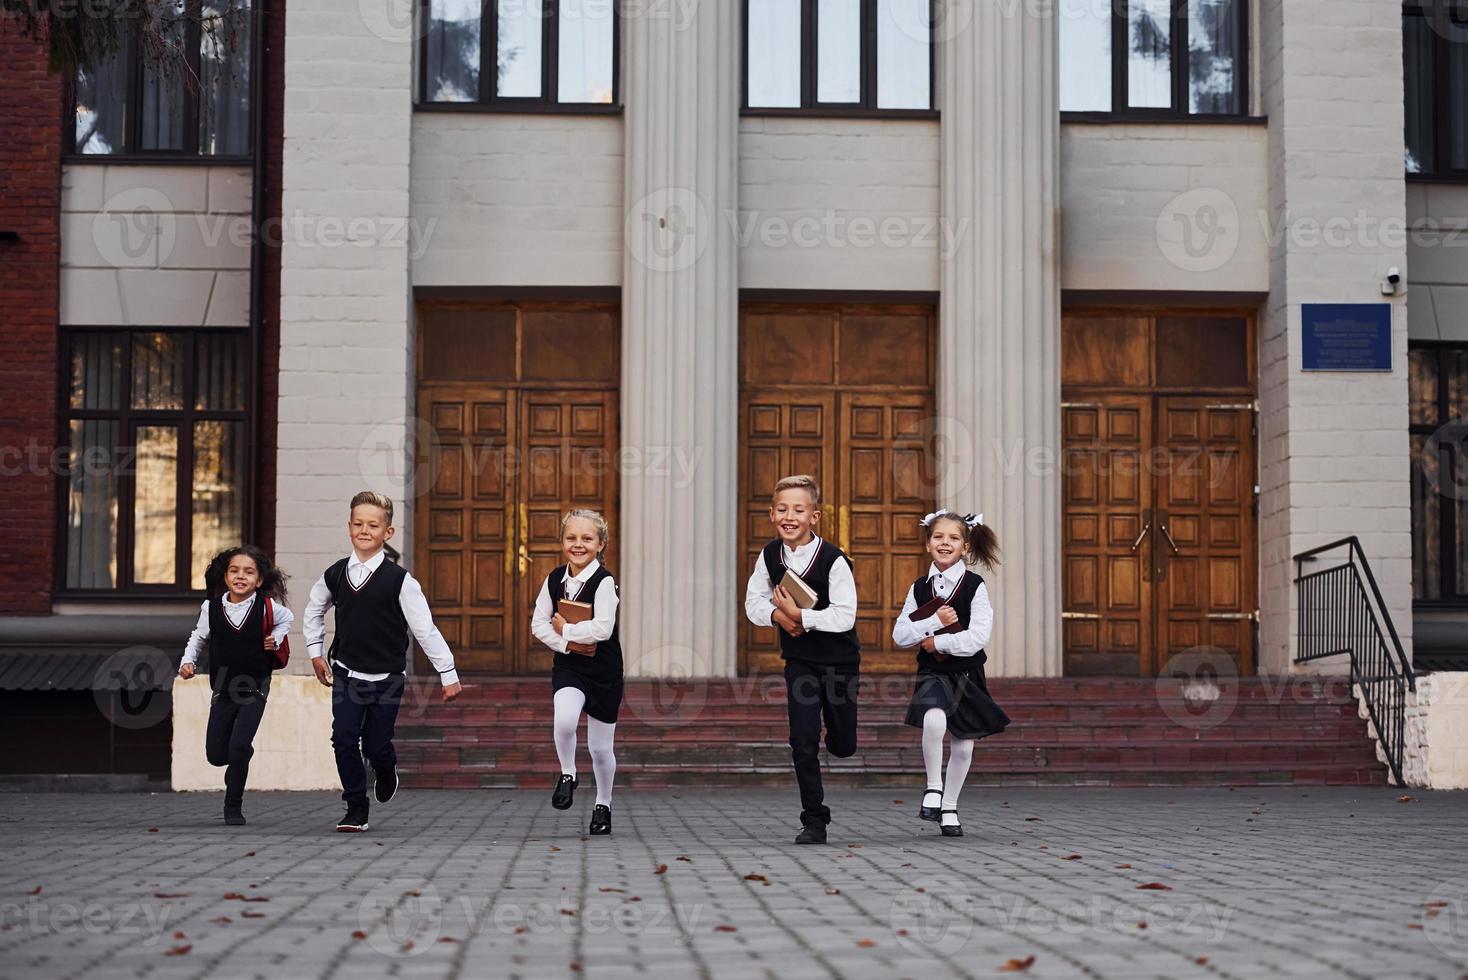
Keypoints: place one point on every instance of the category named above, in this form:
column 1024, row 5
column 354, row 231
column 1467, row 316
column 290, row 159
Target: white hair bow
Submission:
column 973, row 520
column 940, row 512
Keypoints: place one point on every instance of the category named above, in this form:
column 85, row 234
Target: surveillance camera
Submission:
column 1394, row 275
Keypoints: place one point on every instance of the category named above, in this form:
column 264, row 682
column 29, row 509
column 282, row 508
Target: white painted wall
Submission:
column 1164, row 206
column 1437, row 261
column 838, row 204
column 155, row 245
column 516, row 200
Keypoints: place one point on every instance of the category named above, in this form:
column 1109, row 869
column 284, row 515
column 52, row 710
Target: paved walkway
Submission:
column 1048, row 883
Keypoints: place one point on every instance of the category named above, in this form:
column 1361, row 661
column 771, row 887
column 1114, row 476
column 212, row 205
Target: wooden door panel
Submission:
column 1106, row 590
column 462, row 532
column 1206, row 588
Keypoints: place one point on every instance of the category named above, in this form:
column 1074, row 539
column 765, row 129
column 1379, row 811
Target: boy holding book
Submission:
column 803, row 586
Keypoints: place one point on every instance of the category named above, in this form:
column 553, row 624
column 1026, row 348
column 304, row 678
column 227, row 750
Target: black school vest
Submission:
column 961, row 602
column 814, row 646
column 237, row 654
column 371, row 630
column 606, row 665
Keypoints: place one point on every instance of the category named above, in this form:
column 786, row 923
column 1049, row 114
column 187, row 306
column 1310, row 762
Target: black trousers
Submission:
column 814, row 694
column 229, row 740
column 363, row 717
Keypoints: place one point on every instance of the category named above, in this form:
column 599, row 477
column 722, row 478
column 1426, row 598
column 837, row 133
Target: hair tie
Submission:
column 929, row 519
column 973, row 520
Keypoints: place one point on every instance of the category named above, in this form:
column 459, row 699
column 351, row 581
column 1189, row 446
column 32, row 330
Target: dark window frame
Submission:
column 1442, row 121
column 128, row 419
column 132, row 149
column 1121, row 108
column 548, row 100
column 1454, row 594
column 867, row 107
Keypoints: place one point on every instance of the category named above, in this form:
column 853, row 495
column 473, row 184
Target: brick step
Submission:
column 907, row 783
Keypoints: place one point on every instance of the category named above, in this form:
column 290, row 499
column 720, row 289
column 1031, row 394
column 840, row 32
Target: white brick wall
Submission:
column 346, row 375
column 838, row 204
column 1126, row 188
column 155, row 245
column 1333, row 448
column 517, row 200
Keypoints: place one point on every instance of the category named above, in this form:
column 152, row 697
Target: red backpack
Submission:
column 281, row 655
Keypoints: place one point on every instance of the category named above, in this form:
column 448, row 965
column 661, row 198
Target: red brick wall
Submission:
column 30, row 204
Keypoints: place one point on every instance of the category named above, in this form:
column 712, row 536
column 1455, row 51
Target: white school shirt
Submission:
column 906, row 633
column 596, row 629
column 838, row 617
column 235, row 612
column 410, row 600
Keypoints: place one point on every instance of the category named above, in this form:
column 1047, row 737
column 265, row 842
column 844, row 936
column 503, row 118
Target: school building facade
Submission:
column 1055, row 263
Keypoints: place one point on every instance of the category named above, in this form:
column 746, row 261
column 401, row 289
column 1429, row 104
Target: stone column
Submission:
column 680, row 306
column 999, row 316
column 346, row 375
column 1333, row 449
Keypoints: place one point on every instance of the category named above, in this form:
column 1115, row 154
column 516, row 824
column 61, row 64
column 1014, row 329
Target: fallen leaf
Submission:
column 1201, row 961
column 1414, row 925
column 447, row 939
column 178, row 950
column 247, row 914
column 570, row 912
column 1406, row 799
column 611, row 889
column 685, row 857
column 519, row 929
column 901, row 932
column 866, row 943
column 36, row 890
column 1030, row 820
column 833, row 891
column 755, row 877
column 1123, row 865
column 1432, row 913
column 574, row 967
column 170, row 894
column 359, row 934
column 661, row 869
column 1435, row 905
column 221, row 920
column 909, row 865
column 635, row 898
column 1141, row 925
column 1071, row 857
column 414, row 892
column 1018, row 965
column 179, row 935
column 554, row 848
column 408, row 944
column 154, row 830
column 896, row 802
column 250, row 854
column 725, row 929
column 855, row 845
column 1155, row 886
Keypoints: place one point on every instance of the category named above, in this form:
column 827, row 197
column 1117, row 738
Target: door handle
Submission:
column 1138, row 543
column 524, row 534
column 1080, row 615
column 843, row 528
column 1170, row 543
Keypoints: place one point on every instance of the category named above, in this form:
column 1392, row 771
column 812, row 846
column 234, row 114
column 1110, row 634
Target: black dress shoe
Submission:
column 926, row 812
column 565, row 789
column 387, row 784
column 811, row 834
column 234, row 816
column 355, row 819
column 601, row 820
column 954, row 829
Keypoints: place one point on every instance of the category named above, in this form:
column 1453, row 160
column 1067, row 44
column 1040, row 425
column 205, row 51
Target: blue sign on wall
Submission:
column 1347, row 336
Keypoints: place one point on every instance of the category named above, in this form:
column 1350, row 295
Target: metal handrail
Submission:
column 1341, row 611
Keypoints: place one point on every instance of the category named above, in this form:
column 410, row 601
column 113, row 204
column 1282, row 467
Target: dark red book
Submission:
column 930, row 609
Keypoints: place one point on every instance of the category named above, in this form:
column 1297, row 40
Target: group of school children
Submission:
column 380, row 609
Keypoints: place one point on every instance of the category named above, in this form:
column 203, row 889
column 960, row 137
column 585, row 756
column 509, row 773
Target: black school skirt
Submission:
column 963, row 696
column 603, row 696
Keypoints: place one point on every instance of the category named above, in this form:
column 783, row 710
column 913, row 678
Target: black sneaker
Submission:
column 387, row 784
column 234, row 815
column 565, row 788
column 601, row 820
column 355, row 821
column 811, row 834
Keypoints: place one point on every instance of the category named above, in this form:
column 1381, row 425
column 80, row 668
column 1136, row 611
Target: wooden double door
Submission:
column 1159, row 525
column 844, row 394
column 504, row 457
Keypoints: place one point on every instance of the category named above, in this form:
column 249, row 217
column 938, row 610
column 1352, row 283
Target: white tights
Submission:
column 568, row 702
column 960, row 757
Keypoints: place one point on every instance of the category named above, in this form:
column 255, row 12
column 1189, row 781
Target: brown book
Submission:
column 576, row 612
column 930, row 609
column 804, row 595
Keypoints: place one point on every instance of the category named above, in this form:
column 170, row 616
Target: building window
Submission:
column 1154, row 58
column 525, row 55
column 835, row 56
column 1435, row 72
column 158, row 428
column 1439, row 427
column 192, row 101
